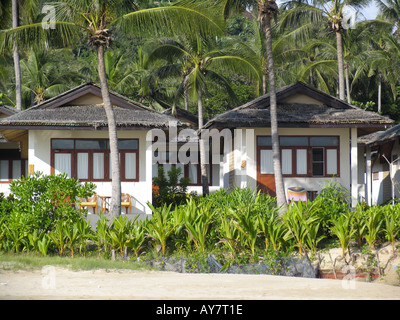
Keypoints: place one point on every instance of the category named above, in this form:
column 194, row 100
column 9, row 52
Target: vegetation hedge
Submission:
column 240, row 226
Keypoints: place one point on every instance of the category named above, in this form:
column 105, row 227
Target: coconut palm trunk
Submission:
column 202, row 145
column 346, row 72
column 268, row 9
column 339, row 48
column 115, row 206
column 17, row 67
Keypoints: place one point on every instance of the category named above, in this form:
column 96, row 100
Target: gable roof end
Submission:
column 330, row 111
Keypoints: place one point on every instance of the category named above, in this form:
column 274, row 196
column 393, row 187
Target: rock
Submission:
column 285, row 266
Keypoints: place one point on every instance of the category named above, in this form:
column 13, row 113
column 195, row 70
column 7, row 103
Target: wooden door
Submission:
column 265, row 171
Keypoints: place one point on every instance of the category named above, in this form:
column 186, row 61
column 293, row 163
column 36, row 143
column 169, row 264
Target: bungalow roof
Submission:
column 327, row 111
column 61, row 112
column 380, row 137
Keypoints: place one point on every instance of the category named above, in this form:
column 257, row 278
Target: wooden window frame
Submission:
column 309, row 157
column 74, row 163
column 10, row 169
column 186, row 168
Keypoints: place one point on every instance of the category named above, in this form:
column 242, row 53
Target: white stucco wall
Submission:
column 247, row 152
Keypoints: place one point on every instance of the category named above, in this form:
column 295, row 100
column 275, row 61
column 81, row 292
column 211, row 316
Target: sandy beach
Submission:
column 57, row 283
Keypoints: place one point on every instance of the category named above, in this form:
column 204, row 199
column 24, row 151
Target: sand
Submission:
column 64, row 284
column 58, row 283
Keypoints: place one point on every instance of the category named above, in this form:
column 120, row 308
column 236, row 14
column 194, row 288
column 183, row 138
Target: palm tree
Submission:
column 21, row 10
column 17, row 67
column 267, row 10
column 199, row 62
column 331, row 12
column 390, row 10
column 42, row 77
column 100, row 19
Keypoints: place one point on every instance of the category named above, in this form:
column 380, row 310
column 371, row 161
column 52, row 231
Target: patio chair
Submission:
column 91, row 202
column 126, row 201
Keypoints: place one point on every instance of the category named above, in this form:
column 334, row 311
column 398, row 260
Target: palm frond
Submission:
column 29, row 36
column 172, row 20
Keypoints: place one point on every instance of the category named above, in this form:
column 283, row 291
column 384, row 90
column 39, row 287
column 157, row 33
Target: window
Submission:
column 312, row 156
column 11, row 169
column 301, row 161
column 266, row 162
column 89, row 159
column 62, row 164
column 190, row 170
column 318, row 161
column 286, row 161
column 331, row 161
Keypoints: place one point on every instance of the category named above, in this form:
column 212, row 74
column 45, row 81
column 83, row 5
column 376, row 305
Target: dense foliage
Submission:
column 170, row 187
column 237, row 226
column 303, row 51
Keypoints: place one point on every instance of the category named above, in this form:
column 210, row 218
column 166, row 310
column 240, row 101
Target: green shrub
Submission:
column 343, row 230
column 302, row 222
column 169, row 188
column 333, row 201
column 392, row 223
column 42, row 200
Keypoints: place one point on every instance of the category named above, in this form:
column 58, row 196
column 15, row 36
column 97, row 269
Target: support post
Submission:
column 354, row 167
column 368, row 180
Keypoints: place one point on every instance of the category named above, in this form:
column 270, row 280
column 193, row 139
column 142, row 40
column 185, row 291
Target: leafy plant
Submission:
column 198, row 227
column 276, row 232
column 72, row 236
column 247, row 225
column 45, row 199
column 373, row 225
column 136, row 238
column 44, row 244
column 160, row 228
column 34, row 240
column 58, row 235
column 170, row 188
column 332, row 202
column 118, row 233
column 343, row 230
column 101, row 234
column 301, row 220
column 358, row 224
column 85, row 233
column 392, row 223
column 228, row 234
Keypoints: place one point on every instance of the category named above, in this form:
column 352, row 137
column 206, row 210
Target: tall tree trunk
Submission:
column 279, row 186
column 379, row 92
column 186, row 94
column 339, row 48
column 17, row 68
column 264, row 84
column 115, row 206
column 202, row 145
column 346, row 71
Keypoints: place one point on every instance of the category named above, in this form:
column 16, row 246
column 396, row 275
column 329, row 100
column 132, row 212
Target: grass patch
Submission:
column 27, row 261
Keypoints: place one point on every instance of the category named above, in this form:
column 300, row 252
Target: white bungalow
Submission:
column 68, row 134
column 318, row 141
column 318, row 138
